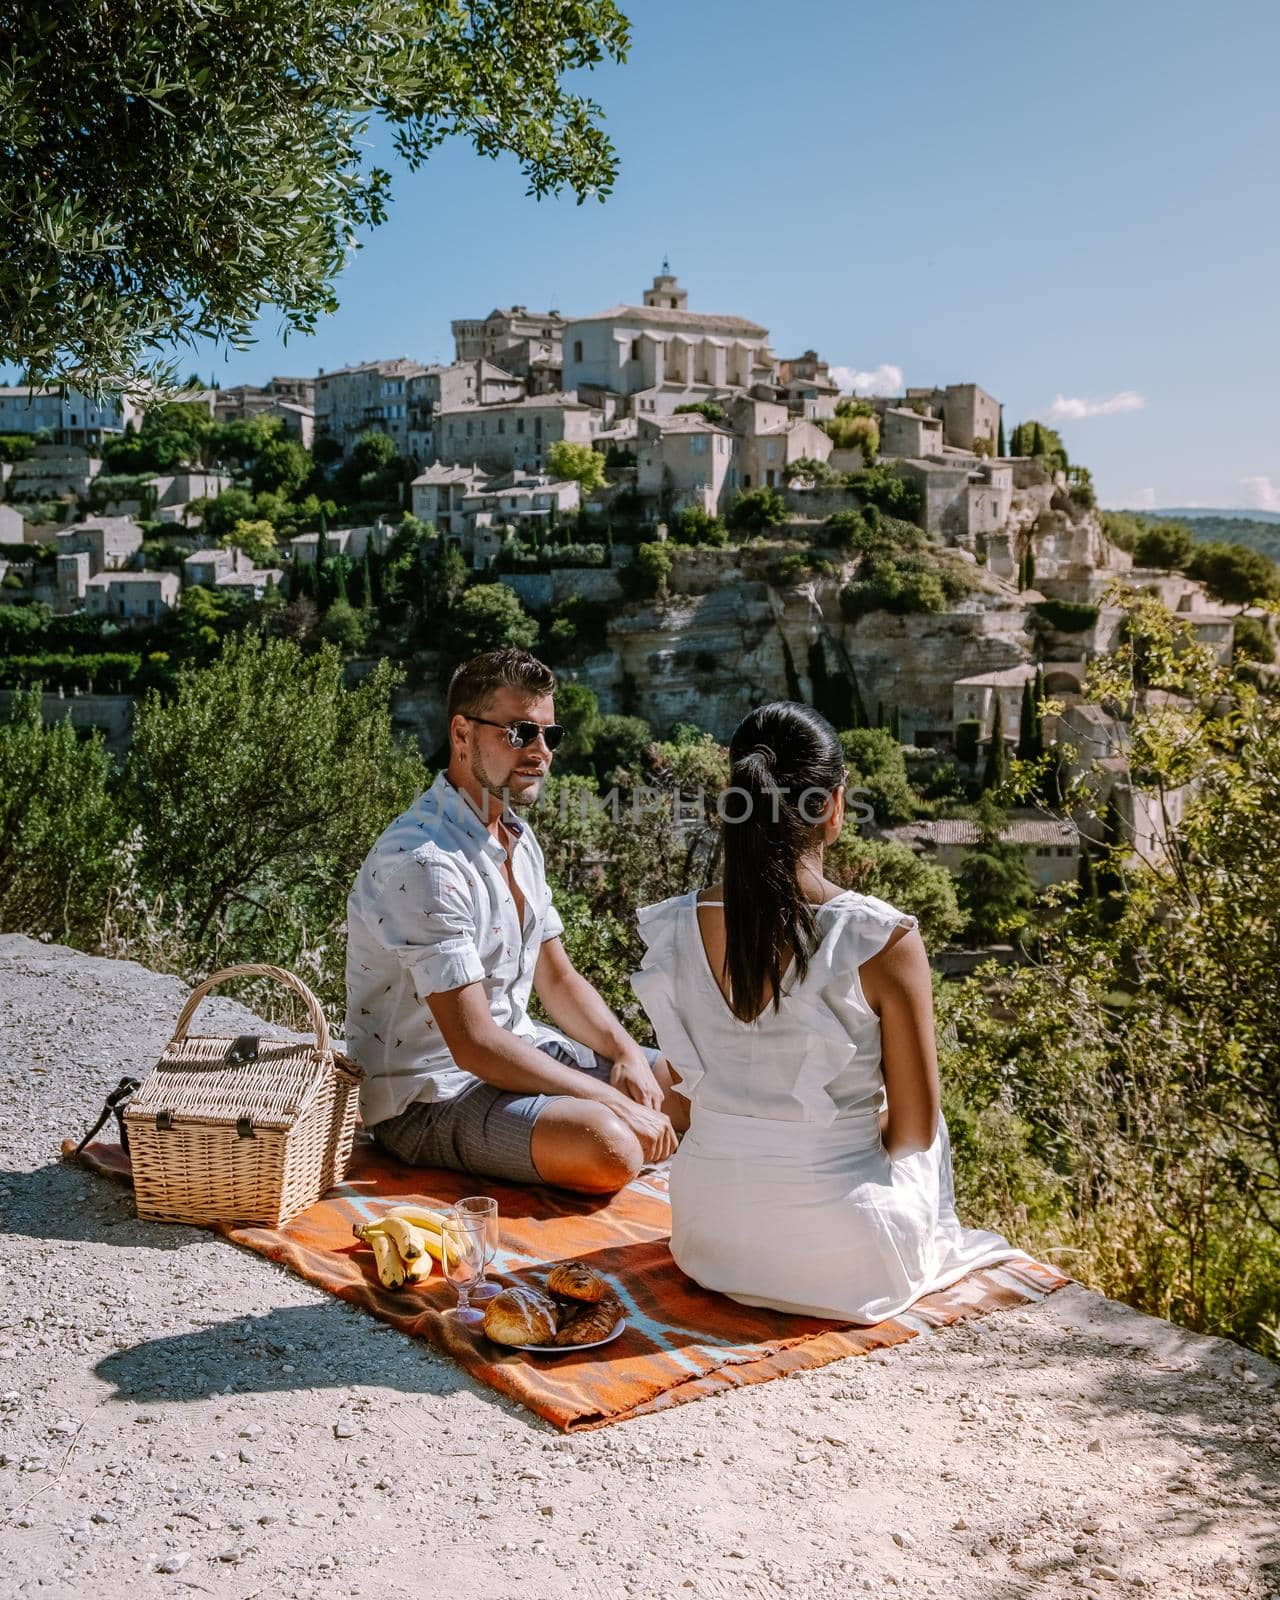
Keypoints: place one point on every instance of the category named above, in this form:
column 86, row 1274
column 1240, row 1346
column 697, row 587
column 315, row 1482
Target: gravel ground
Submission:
column 178, row 1414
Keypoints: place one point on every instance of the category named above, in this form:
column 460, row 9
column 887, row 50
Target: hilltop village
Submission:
column 695, row 525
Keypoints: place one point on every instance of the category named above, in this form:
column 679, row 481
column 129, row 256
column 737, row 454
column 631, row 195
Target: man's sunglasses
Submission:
column 519, row 734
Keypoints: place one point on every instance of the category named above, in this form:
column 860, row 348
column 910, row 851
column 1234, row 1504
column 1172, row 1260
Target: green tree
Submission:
column 219, row 516
column 1163, row 544
column 621, row 741
column 578, row 709
column 994, row 885
column 1000, row 441
column 895, row 873
column 878, row 774
column 201, row 172
column 487, row 617
column 576, row 463
column 282, row 466
column 1235, row 574
column 996, row 767
column 58, row 826
column 259, row 788
column 344, row 627
column 256, row 539
column 646, row 574
column 757, row 510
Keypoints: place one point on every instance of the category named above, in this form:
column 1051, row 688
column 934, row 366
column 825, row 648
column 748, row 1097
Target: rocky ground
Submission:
column 179, row 1415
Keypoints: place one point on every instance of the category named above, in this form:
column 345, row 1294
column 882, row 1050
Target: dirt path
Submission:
column 179, row 1415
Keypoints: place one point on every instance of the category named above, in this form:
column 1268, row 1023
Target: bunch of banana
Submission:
column 405, row 1244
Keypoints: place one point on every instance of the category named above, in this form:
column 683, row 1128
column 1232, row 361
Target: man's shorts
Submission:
column 486, row 1130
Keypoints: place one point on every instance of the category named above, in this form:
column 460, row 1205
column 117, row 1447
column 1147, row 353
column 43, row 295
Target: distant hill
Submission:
column 1260, row 530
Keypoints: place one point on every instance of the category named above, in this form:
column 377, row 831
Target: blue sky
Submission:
column 1070, row 205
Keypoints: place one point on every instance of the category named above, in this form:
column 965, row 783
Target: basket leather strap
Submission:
column 113, row 1106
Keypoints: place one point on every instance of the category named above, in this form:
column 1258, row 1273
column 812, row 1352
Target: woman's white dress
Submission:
column 782, row 1192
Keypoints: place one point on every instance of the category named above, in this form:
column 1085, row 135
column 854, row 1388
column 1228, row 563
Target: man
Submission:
column 449, row 925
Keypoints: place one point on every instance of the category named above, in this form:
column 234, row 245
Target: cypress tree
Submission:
column 1037, row 440
column 1031, row 569
column 1027, row 724
column 1038, row 694
column 996, row 767
column 366, row 583
column 1087, row 898
column 340, row 565
column 1000, row 449
column 895, row 724
column 879, row 713
column 608, row 544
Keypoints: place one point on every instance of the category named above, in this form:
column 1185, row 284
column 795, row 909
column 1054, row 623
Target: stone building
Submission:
column 131, row 596
column 109, row 542
column 453, row 388
column 770, row 437
column 686, row 461
column 805, row 384
column 970, row 415
column 370, row 397
column 437, row 494
column 50, row 472
column 904, row 432
column 964, row 499
column 664, row 355
column 512, row 435
column 69, row 417
column 1050, row 846
column 291, row 400
column 525, row 343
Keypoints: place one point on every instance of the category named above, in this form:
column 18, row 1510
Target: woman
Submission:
column 816, row 1173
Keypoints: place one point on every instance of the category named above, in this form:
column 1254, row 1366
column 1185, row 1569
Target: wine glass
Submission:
column 486, row 1208
column 462, row 1246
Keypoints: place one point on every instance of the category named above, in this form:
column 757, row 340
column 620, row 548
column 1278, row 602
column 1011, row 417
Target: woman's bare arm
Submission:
column 899, row 989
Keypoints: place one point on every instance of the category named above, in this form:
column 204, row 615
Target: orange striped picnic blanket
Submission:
column 681, row 1342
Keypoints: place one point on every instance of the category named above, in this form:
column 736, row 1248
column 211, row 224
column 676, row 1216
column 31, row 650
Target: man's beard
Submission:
column 517, row 802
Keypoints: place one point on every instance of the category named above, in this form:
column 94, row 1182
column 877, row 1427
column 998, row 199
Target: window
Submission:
column 519, row 424
column 577, row 349
column 698, row 444
column 469, row 427
column 502, row 426
column 635, row 349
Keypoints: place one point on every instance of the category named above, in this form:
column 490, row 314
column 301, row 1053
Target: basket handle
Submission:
column 314, row 1012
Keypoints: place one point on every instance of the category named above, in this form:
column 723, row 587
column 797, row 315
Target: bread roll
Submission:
column 521, row 1316
column 586, row 1323
column 576, row 1281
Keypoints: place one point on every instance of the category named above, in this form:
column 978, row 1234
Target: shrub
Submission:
column 487, row 617
column 693, row 525
column 58, row 825
column 646, row 574
column 883, row 488
column 704, row 408
column 1252, row 641
column 900, row 586
column 756, row 510
column 107, row 672
column 1067, row 616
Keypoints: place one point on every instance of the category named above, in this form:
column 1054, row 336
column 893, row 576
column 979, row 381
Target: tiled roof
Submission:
column 666, row 317
column 1018, row 830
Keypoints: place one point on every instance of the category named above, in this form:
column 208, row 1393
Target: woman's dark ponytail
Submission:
column 784, row 759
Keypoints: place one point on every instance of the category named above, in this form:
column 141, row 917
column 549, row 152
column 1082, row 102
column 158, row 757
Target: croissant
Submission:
column 586, row 1323
column 576, row 1281
column 520, row 1316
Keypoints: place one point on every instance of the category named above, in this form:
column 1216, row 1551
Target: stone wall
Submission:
column 111, row 713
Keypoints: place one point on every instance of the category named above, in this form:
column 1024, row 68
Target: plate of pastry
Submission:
column 578, row 1310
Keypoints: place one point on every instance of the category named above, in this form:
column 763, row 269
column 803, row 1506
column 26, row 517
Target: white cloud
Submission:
column 886, row 379
column 1071, row 408
column 1263, row 494
column 1137, row 500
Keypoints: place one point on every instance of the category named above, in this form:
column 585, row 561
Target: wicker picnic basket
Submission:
column 241, row 1129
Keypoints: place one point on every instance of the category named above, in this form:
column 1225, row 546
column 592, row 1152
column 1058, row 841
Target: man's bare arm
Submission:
column 574, row 1006
column 502, row 1058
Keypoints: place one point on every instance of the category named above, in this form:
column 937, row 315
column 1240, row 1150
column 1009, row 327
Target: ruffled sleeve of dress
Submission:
column 655, row 988
column 864, row 934
column 832, row 1004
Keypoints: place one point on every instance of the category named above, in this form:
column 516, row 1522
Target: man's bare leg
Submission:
column 674, row 1105
column 582, row 1145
